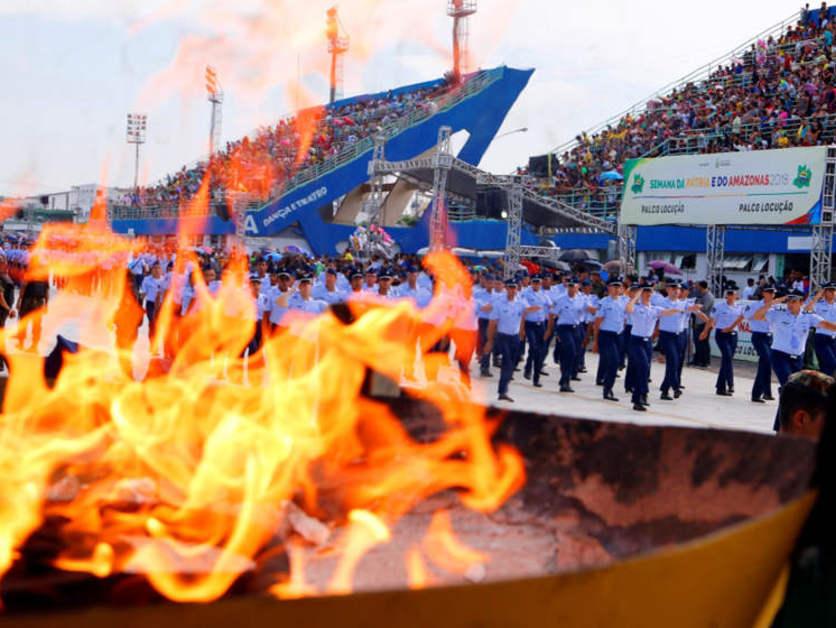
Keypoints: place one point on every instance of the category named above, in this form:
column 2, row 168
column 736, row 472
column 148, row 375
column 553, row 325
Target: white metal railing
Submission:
column 348, row 154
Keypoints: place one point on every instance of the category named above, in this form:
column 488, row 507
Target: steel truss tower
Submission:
column 821, row 248
column 716, row 255
column 443, row 162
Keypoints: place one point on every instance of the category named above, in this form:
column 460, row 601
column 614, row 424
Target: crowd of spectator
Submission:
column 779, row 93
column 260, row 163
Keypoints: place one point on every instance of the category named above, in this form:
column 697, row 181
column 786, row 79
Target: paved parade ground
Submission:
column 699, row 406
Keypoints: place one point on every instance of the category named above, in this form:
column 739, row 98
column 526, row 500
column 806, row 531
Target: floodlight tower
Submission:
column 137, row 125
column 215, row 96
column 460, row 11
column 338, row 45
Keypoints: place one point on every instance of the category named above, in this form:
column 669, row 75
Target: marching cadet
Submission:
column 384, row 285
column 790, row 328
column 684, row 324
column 328, row 290
column 279, row 301
column 644, row 318
column 567, row 313
column 762, row 343
column 725, row 319
column 261, row 303
column 590, row 300
column 264, row 280
column 356, row 284
column 669, row 328
column 630, row 291
column 607, row 330
column 535, row 330
column 483, row 296
column 370, row 285
column 151, row 292
column 825, row 339
column 413, row 290
column 549, row 291
column 303, row 301
column 507, row 330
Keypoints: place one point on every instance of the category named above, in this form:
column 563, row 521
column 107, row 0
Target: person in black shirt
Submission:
column 33, row 299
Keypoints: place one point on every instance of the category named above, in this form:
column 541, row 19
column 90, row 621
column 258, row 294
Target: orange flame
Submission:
column 182, row 477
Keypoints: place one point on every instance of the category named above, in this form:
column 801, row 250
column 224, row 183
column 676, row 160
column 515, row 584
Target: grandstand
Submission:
column 777, row 90
column 302, row 192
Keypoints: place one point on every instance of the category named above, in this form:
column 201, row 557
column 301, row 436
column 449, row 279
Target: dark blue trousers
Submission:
column 624, row 345
column 670, row 346
column 639, row 364
column 568, row 352
column 826, row 353
column 784, row 365
column 609, row 354
column 682, row 343
column 762, row 343
column 484, row 359
column 728, row 345
column 535, row 334
column 580, row 330
column 508, row 346
column 151, row 311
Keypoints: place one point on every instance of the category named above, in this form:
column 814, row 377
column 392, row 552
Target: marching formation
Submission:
column 513, row 325
column 623, row 327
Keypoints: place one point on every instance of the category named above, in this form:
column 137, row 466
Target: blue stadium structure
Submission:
column 479, row 108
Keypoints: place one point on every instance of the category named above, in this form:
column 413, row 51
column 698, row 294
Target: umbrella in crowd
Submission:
column 614, row 266
column 591, row 265
column 610, row 175
column 562, row 267
column 576, row 255
column 665, row 267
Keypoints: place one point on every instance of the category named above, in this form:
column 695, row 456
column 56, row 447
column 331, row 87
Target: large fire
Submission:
column 188, row 475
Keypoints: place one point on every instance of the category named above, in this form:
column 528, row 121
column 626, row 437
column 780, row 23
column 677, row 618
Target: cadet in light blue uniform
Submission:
column 548, row 290
column 559, row 290
column 607, row 330
column 535, row 330
column 790, row 328
column 328, row 291
column 279, row 298
column 567, row 313
column 629, row 376
column 725, row 319
column 684, row 324
column 825, row 339
column 303, row 300
column 762, row 343
column 590, row 302
column 483, row 296
column 645, row 317
column 669, row 328
column 507, row 330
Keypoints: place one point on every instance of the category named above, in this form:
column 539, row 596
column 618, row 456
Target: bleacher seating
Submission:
column 259, row 165
column 778, row 92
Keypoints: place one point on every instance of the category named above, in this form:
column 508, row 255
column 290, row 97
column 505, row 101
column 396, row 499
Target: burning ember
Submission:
column 215, row 462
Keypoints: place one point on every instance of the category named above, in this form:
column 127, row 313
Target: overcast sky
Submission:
column 74, row 68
